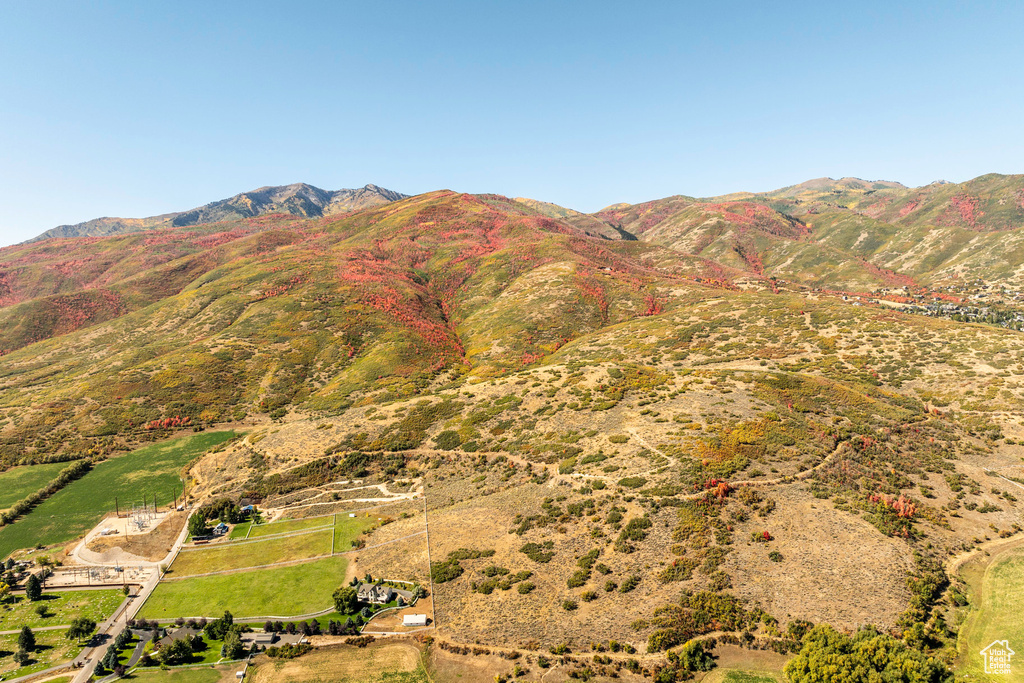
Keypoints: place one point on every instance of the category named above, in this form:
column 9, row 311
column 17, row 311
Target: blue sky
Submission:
column 135, row 109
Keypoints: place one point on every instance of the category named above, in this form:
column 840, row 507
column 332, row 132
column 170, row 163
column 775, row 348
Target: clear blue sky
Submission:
column 139, row 108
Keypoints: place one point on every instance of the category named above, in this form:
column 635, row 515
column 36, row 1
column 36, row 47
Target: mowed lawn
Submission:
column 996, row 616
column 18, row 482
column 277, row 592
column 76, row 508
column 242, row 554
column 61, row 608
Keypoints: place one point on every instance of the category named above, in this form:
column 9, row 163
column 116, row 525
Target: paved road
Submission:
column 109, row 629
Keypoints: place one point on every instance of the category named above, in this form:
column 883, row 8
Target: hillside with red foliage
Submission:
column 282, row 311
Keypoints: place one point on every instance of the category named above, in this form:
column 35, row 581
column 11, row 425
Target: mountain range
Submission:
column 802, row 401
column 298, row 199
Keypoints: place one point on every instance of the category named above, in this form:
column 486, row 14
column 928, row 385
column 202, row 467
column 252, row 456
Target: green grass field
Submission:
column 345, row 530
column 61, row 608
column 200, row 675
column 279, row 592
column 288, row 526
column 349, row 528
column 240, row 555
column 51, row 648
column 239, row 531
column 996, row 598
column 75, row 509
column 17, row 483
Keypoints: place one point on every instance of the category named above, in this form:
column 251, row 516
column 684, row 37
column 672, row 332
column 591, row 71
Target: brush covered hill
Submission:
column 298, row 199
column 844, row 234
column 277, row 311
column 616, row 418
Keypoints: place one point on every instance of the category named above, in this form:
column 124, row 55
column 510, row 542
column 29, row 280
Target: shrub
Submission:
column 578, row 578
column 693, row 657
column 289, row 651
column 448, row 440
column 630, row 583
column 635, row 530
column 447, row 570
column 537, row 552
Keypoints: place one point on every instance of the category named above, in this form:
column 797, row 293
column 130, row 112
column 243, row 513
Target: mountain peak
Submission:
column 299, row 199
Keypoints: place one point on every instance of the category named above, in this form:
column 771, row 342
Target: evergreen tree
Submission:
column 33, row 588
column 26, row 639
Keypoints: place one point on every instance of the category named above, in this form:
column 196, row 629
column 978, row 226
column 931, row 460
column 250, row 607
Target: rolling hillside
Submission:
column 845, row 234
column 684, row 397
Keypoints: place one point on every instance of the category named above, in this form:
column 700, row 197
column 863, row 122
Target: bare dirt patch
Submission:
column 391, row 621
column 152, row 546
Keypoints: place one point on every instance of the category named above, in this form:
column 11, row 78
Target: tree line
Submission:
column 64, row 477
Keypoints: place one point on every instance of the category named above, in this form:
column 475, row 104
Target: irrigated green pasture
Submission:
column 289, row 525
column 69, row 513
column 347, row 529
column 279, row 592
column 198, row 675
column 996, row 595
column 243, row 554
column 19, row 482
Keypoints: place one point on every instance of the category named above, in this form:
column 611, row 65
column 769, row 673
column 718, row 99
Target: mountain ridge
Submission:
column 299, row 199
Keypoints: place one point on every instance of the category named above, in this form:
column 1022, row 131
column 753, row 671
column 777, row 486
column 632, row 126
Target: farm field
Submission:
column 51, row 648
column 199, row 675
column 347, row 529
column 61, row 608
column 240, row 531
column 19, row 482
column 72, row 511
column 289, row 525
column 996, row 594
column 390, row 662
column 279, row 592
column 243, row 554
